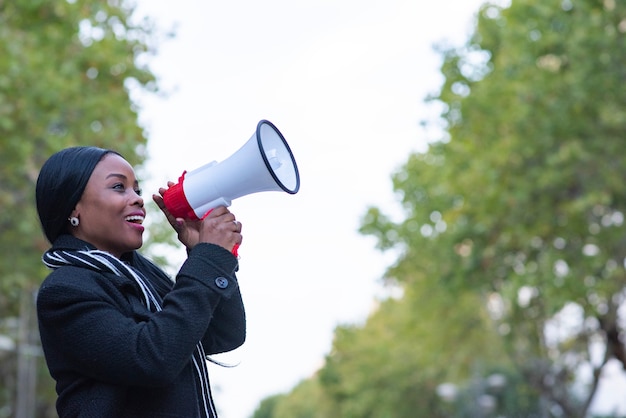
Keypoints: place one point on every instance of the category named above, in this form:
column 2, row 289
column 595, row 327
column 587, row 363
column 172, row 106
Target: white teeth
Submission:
column 135, row 218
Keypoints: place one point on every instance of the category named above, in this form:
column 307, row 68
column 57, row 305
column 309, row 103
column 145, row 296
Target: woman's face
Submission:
column 111, row 209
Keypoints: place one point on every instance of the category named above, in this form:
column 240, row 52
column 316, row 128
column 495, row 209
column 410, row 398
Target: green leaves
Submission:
column 511, row 251
column 60, row 85
column 526, row 186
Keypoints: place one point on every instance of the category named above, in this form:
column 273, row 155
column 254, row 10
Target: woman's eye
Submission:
column 120, row 187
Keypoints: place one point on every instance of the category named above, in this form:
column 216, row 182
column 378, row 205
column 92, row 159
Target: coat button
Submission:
column 221, row 282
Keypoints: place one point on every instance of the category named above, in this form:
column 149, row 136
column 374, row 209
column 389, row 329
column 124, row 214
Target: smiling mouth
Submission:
column 135, row 219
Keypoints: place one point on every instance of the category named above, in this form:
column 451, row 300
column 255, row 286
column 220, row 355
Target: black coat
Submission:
column 111, row 357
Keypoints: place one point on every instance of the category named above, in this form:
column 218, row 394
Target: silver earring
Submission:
column 74, row 221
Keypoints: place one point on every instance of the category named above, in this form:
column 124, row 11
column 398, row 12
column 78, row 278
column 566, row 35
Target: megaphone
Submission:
column 264, row 163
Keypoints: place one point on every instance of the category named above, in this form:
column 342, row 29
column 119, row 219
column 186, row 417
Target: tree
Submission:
column 521, row 201
column 306, row 400
column 512, row 227
column 67, row 74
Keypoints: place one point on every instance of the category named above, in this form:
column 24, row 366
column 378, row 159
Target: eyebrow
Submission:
column 120, row 176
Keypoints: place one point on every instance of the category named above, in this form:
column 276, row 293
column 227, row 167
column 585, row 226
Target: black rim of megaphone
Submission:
column 267, row 163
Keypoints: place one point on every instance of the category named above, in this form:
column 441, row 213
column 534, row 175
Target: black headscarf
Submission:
column 60, row 185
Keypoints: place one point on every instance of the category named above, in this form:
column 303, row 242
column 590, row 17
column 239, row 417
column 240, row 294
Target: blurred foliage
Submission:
column 510, row 254
column 67, row 76
column 305, row 401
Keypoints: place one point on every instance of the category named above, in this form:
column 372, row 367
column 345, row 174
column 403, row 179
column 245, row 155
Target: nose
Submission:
column 138, row 200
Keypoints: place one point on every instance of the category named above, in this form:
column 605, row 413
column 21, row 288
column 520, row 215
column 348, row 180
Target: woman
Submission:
column 120, row 338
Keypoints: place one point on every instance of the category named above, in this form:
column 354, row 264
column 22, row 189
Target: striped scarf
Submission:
column 102, row 261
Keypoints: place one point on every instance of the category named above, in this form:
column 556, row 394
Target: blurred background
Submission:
column 457, row 246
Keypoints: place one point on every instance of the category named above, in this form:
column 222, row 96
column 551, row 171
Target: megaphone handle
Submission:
column 235, row 249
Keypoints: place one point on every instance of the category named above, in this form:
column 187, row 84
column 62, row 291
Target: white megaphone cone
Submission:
column 264, row 163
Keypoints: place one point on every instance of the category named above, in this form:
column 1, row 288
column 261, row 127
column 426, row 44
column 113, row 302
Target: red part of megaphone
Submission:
column 264, row 163
column 176, row 202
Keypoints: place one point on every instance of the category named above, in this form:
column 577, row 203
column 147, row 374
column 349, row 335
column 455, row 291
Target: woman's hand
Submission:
column 217, row 227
